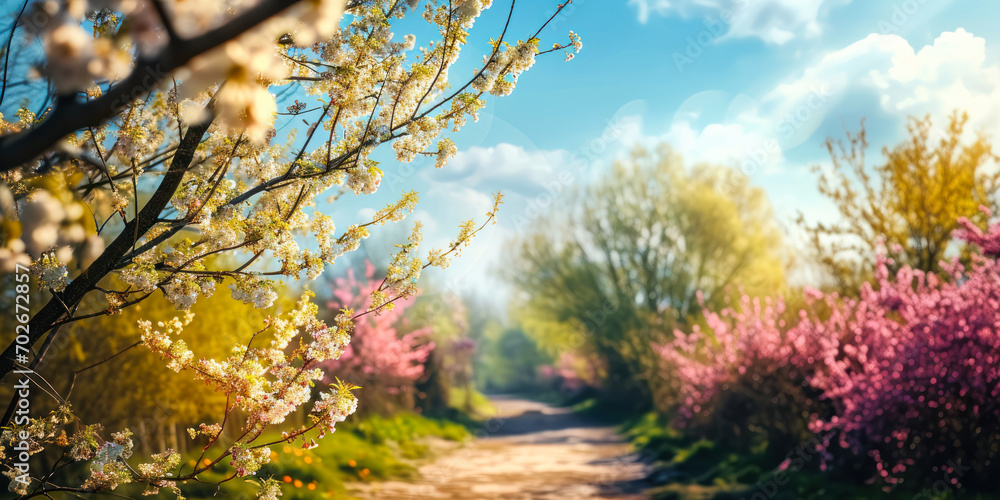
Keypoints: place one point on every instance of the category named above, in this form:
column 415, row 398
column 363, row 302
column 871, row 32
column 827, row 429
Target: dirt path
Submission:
column 528, row 450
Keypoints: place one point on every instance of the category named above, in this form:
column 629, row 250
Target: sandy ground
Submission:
column 528, row 450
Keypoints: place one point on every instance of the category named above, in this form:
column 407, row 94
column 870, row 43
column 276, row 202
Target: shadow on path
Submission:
column 529, row 450
column 532, row 421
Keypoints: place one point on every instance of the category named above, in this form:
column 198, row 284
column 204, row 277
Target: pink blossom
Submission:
column 376, row 348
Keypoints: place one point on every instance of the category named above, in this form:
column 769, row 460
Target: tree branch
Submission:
column 55, row 309
column 71, row 115
column 8, row 47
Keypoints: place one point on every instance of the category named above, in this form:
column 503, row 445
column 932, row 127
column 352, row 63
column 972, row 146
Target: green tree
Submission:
column 509, row 360
column 627, row 263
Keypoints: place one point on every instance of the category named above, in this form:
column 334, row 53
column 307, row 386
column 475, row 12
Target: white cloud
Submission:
column 474, row 269
column 531, row 182
column 504, row 166
column 720, row 128
column 951, row 73
column 733, row 145
column 465, row 201
column 774, row 21
column 736, row 144
column 755, row 135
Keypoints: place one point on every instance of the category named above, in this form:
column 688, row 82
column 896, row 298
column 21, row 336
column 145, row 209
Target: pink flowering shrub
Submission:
column 378, row 359
column 917, row 383
column 988, row 242
column 744, row 377
column 906, row 378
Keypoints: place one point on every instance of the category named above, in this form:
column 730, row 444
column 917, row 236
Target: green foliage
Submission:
column 407, row 427
column 468, row 400
column 509, row 360
column 457, row 324
column 698, row 469
column 648, row 237
column 376, row 448
column 443, row 313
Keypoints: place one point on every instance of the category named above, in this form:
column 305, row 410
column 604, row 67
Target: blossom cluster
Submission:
column 905, row 376
column 377, row 353
column 748, row 342
column 46, row 230
column 108, row 458
column 76, row 59
column 264, row 382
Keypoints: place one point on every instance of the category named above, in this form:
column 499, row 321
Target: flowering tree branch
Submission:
column 71, row 115
column 230, row 185
column 43, row 320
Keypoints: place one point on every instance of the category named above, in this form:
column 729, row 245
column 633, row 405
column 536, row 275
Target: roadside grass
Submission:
column 469, row 401
column 375, row 448
column 687, row 468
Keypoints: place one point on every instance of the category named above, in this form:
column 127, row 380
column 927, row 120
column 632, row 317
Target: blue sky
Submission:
column 752, row 84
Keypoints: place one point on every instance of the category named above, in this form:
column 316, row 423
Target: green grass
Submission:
column 480, row 404
column 598, row 409
column 698, row 469
column 376, row 448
